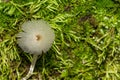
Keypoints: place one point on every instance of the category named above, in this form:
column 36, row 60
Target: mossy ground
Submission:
column 86, row 47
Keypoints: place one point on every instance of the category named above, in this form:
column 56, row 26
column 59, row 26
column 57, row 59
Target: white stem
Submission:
column 31, row 67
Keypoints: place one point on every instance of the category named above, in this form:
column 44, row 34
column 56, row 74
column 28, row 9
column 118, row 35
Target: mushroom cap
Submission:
column 37, row 37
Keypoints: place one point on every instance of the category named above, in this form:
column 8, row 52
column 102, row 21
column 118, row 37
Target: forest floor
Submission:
column 86, row 46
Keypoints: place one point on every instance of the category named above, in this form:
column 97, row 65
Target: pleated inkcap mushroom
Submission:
column 36, row 37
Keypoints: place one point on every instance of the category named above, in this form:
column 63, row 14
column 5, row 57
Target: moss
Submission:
column 87, row 44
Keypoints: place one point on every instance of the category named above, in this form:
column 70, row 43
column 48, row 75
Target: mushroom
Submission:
column 36, row 38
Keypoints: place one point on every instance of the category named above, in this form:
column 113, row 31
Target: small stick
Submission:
column 32, row 66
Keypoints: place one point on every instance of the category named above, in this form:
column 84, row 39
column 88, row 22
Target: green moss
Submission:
column 87, row 44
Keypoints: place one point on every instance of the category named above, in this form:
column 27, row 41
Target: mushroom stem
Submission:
column 32, row 66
